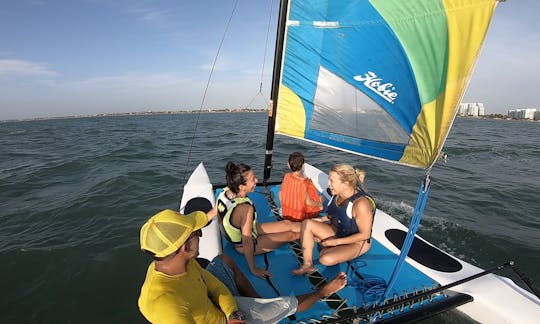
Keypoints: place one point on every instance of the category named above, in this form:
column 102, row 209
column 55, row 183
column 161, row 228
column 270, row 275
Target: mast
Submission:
column 276, row 76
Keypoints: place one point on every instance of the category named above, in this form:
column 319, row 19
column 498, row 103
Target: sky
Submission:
column 86, row 57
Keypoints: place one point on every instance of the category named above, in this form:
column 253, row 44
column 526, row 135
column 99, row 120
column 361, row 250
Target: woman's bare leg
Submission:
column 279, row 227
column 270, row 242
column 333, row 255
column 311, row 230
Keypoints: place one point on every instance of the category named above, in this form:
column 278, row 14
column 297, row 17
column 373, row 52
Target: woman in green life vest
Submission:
column 239, row 218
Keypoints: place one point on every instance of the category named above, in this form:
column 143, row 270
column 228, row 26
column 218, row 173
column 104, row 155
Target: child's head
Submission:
column 296, row 161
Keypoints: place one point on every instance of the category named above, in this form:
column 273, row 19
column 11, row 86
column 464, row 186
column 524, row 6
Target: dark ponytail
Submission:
column 235, row 175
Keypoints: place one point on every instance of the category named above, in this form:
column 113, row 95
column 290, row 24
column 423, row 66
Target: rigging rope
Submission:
column 259, row 93
column 423, row 194
column 370, row 287
column 204, row 95
column 264, row 59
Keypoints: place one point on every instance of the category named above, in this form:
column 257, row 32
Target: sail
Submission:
column 380, row 78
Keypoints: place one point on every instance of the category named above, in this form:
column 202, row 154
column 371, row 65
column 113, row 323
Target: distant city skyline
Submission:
column 85, row 57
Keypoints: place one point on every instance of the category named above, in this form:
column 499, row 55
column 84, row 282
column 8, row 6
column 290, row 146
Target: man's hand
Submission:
column 212, row 213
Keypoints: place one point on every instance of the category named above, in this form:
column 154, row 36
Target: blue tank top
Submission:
column 341, row 217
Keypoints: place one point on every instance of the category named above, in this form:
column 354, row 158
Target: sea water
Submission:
column 74, row 193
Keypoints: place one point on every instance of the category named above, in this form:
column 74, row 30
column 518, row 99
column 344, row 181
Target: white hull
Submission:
column 199, row 186
column 496, row 299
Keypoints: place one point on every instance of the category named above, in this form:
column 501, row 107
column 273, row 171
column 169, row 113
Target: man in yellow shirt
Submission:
column 176, row 288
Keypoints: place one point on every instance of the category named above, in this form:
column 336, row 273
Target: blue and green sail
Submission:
column 381, row 78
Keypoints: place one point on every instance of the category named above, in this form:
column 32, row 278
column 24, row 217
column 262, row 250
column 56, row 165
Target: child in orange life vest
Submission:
column 299, row 197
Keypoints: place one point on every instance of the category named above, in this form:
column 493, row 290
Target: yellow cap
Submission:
column 167, row 230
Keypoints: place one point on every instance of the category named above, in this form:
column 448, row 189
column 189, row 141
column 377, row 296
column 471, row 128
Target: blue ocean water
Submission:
column 74, row 193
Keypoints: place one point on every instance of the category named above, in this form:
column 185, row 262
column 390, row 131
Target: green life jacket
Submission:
column 225, row 207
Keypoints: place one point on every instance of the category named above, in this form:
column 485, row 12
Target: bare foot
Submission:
column 335, row 285
column 304, row 270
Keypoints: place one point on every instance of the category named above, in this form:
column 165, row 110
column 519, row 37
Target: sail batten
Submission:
column 380, row 78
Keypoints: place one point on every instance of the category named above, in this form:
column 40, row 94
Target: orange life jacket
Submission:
column 293, row 198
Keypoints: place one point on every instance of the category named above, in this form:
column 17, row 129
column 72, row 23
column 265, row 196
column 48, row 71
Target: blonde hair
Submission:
column 348, row 174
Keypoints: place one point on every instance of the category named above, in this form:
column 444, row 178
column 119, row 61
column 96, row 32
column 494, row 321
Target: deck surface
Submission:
column 371, row 268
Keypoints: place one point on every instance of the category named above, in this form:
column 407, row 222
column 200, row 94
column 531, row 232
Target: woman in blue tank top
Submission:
column 345, row 233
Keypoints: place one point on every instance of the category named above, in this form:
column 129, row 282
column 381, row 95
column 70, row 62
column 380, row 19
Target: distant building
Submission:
column 474, row 109
column 527, row 113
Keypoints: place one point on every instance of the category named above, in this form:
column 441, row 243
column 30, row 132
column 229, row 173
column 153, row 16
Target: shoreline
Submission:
column 141, row 113
column 212, row 111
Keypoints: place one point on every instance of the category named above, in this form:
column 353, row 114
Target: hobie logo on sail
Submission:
column 385, row 90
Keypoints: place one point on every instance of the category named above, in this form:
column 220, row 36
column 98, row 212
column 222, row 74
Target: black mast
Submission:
column 278, row 57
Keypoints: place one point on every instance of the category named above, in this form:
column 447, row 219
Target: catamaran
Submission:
column 383, row 79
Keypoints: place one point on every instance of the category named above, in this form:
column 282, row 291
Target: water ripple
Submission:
column 75, row 192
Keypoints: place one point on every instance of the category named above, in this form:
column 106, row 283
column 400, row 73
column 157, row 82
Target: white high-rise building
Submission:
column 527, row 113
column 474, row 109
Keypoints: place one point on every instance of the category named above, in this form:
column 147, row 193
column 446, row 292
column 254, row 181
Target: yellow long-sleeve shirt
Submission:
column 192, row 297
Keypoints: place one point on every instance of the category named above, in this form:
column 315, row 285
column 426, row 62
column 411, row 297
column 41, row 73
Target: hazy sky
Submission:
column 79, row 57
